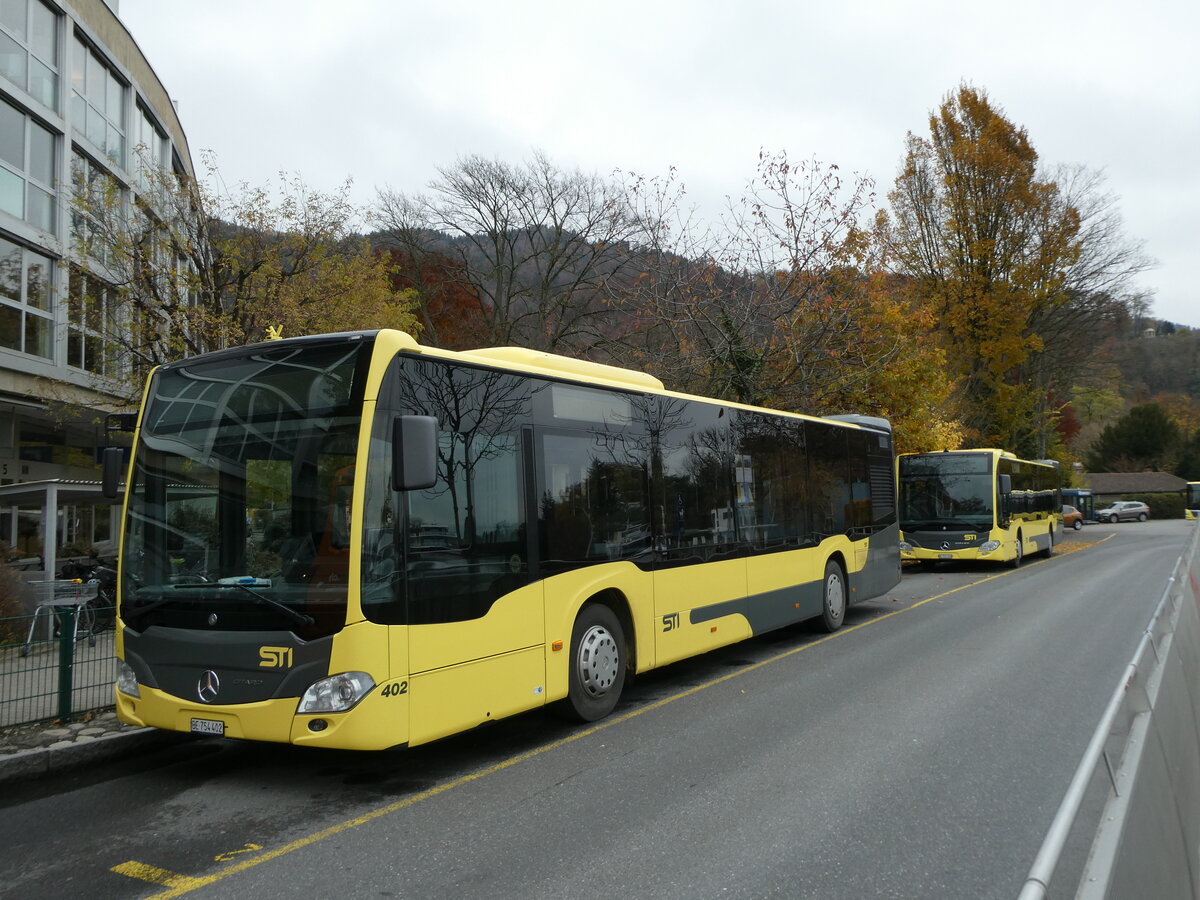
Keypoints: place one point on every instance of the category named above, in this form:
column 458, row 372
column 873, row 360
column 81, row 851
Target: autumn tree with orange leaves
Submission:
column 1017, row 268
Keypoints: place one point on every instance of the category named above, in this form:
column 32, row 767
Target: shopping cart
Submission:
column 53, row 596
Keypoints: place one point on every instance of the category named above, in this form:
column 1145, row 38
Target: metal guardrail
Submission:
column 57, row 661
column 1151, row 767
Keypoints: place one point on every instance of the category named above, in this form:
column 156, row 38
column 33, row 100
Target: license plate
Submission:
column 208, row 726
column 945, row 556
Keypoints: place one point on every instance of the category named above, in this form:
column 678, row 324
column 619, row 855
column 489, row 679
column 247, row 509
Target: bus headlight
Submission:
column 127, row 682
column 905, row 547
column 989, row 546
column 337, row 693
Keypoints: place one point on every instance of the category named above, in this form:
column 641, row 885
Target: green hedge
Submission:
column 1162, row 506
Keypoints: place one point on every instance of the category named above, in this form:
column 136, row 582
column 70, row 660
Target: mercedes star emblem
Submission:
column 208, row 687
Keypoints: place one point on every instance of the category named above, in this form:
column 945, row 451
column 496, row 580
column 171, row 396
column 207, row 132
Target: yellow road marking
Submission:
column 246, row 848
column 155, row 875
column 187, row 885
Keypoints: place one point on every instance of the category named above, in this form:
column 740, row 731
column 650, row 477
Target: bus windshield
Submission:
column 946, row 491
column 239, row 504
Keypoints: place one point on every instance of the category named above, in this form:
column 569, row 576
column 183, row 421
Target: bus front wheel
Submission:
column 833, row 604
column 1015, row 562
column 597, row 664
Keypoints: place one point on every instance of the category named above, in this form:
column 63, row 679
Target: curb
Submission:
column 43, row 761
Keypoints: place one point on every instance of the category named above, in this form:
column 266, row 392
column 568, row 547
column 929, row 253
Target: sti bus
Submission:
column 355, row 541
column 1192, row 507
column 977, row 505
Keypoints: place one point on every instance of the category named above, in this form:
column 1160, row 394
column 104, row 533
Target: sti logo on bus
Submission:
column 275, row 657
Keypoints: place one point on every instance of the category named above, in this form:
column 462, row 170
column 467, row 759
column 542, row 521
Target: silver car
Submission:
column 1124, row 511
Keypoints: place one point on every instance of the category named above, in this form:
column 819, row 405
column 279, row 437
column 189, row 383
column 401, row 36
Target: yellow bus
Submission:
column 977, row 505
column 1192, row 507
column 356, row 541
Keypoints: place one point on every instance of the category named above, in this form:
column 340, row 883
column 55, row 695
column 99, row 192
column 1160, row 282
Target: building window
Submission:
column 26, row 300
column 97, row 102
column 29, row 48
column 91, row 306
column 99, row 208
column 152, row 151
column 28, row 158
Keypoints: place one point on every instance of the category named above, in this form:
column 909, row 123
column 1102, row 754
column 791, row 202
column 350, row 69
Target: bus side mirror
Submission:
column 414, row 453
column 1005, row 485
column 111, row 461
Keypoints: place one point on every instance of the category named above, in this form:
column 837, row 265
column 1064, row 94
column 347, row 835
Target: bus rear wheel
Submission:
column 833, row 601
column 597, row 664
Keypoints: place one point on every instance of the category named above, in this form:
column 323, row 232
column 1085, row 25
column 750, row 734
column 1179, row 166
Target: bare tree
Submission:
column 764, row 307
column 536, row 246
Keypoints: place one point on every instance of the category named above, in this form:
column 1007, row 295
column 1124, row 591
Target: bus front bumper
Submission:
column 988, row 550
column 368, row 726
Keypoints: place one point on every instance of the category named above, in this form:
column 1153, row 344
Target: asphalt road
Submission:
column 920, row 752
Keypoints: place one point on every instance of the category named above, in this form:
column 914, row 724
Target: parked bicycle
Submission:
column 101, row 612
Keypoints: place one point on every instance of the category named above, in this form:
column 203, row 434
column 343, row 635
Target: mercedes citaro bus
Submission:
column 971, row 505
column 356, row 541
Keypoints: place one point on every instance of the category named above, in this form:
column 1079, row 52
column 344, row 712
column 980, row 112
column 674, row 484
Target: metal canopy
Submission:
column 49, row 495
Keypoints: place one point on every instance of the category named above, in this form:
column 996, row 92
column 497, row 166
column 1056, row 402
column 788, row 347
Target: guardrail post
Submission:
column 66, row 658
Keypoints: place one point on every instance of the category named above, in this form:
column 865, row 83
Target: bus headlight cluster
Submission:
column 905, row 547
column 989, row 546
column 127, row 682
column 337, row 693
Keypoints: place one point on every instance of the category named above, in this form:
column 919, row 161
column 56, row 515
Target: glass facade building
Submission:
column 79, row 104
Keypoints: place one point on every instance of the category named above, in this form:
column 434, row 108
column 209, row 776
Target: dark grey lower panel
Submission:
column 775, row 609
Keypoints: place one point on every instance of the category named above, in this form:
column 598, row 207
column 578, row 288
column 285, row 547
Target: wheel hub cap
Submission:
column 837, row 597
column 599, row 660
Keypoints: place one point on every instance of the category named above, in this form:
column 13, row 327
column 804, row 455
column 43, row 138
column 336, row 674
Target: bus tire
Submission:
column 1050, row 546
column 833, row 597
column 597, row 664
column 1015, row 562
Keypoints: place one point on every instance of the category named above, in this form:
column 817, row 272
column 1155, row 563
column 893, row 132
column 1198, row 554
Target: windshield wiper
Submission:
column 130, row 614
column 297, row 617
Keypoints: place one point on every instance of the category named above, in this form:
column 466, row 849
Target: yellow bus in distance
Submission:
column 982, row 504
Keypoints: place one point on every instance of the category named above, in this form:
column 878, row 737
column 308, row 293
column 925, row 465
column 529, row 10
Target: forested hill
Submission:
column 1167, row 363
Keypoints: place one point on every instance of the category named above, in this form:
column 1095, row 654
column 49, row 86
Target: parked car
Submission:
column 1072, row 518
column 1124, row 511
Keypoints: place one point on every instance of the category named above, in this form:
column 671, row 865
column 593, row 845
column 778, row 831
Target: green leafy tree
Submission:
column 1189, row 458
column 1145, row 438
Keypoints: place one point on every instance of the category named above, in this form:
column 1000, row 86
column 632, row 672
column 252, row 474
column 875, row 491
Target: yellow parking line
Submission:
column 187, row 885
column 155, row 875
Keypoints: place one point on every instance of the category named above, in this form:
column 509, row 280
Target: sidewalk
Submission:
column 34, row 751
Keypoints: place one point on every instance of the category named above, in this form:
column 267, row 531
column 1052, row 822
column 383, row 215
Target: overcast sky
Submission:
column 385, row 91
